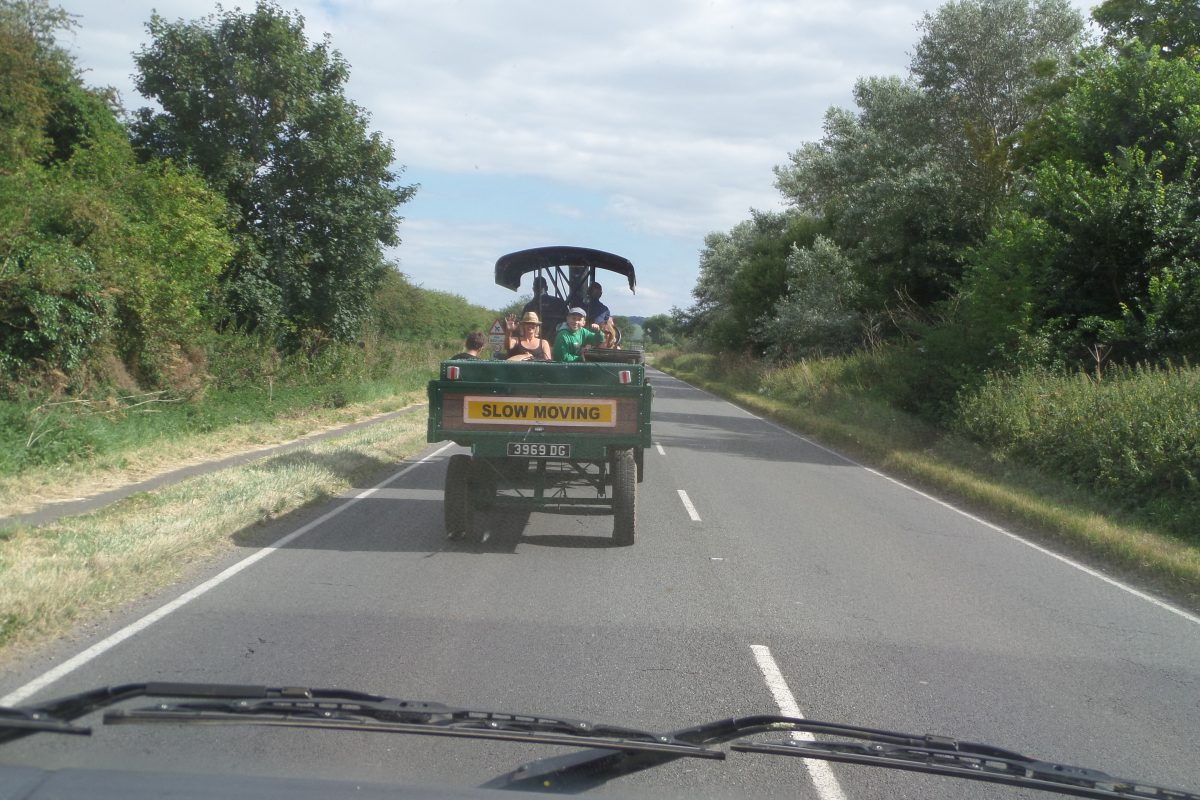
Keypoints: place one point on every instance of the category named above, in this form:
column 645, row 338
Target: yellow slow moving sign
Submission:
column 540, row 411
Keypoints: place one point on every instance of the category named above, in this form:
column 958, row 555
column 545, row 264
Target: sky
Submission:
column 631, row 127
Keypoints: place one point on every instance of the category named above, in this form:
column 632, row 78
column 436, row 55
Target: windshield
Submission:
column 624, row 547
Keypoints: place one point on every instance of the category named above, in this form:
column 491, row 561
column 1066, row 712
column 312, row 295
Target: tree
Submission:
column 1104, row 244
column 742, row 275
column 1172, row 27
column 1137, row 99
column 986, row 64
column 97, row 251
column 261, row 113
column 817, row 317
column 914, row 177
column 659, row 330
column 887, row 193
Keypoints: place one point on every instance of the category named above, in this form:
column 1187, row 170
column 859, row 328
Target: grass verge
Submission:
column 58, row 574
column 903, row 446
column 36, row 486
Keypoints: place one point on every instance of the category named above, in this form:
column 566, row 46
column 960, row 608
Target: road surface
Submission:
column 768, row 570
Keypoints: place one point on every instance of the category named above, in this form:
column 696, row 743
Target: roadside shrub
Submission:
column 1133, row 435
column 53, row 310
column 816, row 315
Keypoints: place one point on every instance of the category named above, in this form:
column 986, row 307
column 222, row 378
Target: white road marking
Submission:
column 820, row 771
column 77, row 661
column 687, row 503
column 661, row 452
column 1069, row 562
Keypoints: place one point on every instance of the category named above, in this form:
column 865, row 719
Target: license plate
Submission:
column 539, row 450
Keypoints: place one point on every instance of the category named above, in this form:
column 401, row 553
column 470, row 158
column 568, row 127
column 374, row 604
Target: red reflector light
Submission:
column 452, row 373
column 626, row 376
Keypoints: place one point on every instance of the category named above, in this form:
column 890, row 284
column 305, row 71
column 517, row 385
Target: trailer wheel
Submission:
column 624, row 493
column 484, row 482
column 459, row 509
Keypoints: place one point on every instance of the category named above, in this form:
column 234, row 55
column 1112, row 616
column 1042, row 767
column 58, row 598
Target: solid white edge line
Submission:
column 687, row 503
column 78, row 660
column 820, row 771
column 1068, row 561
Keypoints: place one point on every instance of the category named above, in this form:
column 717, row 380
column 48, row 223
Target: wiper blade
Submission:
column 938, row 755
column 335, row 709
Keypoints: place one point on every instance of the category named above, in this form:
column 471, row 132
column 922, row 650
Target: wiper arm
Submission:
column 337, row 709
column 578, row 772
column 54, row 716
column 15, row 722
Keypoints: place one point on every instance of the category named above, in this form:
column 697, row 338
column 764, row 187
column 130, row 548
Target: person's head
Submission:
column 530, row 324
column 539, row 285
column 575, row 318
column 475, row 341
column 595, row 290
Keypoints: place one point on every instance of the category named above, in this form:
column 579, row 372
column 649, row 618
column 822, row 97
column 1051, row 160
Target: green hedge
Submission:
column 1133, row 435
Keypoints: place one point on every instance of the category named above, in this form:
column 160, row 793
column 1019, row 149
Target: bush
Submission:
column 401, row 311
column 1133, row 435
column 52, row 308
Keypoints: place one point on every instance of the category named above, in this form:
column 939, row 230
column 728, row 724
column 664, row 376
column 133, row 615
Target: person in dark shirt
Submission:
column 474, row 343
column 551, row 310
column 598, row 314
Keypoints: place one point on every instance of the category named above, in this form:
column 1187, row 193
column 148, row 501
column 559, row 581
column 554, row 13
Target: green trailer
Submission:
column 545, row 434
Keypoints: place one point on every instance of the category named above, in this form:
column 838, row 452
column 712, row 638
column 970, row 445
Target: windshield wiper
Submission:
column 23, row 721
column 937, row 755
column 940, row 755
column 300, row 707
column 611, row 751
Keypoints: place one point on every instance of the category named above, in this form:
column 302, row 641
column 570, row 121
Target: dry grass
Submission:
column 907, row 448
column 56, row 575
column 34, row 488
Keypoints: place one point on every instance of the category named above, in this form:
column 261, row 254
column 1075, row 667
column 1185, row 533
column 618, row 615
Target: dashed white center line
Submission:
column 820, row 772
column 658, row 447
column 687, row 503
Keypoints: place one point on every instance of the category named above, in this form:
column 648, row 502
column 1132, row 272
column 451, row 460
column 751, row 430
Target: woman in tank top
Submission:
column 527, row 344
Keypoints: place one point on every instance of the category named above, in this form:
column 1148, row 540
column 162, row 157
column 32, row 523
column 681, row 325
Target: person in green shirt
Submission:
column 569, row 344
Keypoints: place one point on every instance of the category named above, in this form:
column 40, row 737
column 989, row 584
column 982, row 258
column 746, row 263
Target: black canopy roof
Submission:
column 511, row 267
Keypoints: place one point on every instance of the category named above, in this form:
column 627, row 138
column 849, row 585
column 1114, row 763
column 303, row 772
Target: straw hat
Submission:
column 531, row 316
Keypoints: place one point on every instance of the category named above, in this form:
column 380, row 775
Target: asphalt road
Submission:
column 878, row 606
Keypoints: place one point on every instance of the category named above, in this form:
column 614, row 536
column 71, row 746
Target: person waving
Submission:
column 571, row 340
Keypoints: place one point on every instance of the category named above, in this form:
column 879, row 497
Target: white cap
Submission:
column 576, row 310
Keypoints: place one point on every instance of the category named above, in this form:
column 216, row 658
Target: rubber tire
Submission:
column 483, row 482
column 624, row 494
column 457, row 501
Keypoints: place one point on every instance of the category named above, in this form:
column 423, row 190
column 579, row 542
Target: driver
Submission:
column 551, row 310
column 598, row 314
